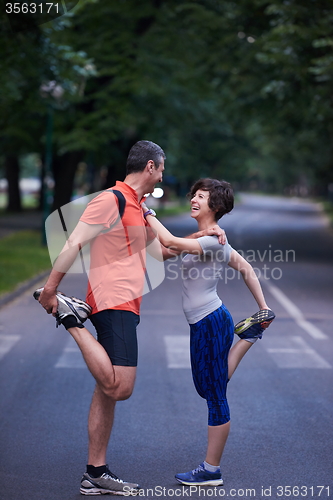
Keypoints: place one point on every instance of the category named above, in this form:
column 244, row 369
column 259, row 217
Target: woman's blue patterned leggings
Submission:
column 211, row 339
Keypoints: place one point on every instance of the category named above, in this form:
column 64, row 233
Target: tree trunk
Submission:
column 41, row 193
column 64, row 169
column 12, row 172
column 118, row 152
column 116, row 172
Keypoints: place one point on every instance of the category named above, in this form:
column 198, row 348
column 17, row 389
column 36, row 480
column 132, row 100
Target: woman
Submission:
column 213, row 360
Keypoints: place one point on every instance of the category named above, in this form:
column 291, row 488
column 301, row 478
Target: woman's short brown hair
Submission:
column 221, row 195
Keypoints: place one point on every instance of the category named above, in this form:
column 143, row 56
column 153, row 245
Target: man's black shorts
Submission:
column 116, row 332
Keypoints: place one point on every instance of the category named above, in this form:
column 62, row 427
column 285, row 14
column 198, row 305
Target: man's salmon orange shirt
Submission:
column 118, row 254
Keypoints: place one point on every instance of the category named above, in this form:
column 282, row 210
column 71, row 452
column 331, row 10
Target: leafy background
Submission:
column 235, row 90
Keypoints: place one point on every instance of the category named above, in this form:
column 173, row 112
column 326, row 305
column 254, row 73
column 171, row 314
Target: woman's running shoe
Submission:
column 71, row 311
column 254, row 326
column 200, row 477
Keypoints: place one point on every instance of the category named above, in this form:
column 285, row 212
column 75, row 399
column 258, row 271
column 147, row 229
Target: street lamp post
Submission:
column 48, row 91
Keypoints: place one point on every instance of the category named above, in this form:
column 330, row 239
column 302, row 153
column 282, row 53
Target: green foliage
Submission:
column 30, row 60
column 239, row 90
column 22, row 257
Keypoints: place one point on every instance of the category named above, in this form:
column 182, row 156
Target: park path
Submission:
column 280, row 397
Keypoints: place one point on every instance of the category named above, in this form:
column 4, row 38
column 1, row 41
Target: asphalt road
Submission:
column 280, row 445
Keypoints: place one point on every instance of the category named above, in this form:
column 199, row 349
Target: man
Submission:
column 116, row 281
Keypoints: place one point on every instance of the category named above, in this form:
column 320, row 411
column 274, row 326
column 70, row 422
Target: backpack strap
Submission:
column 121, row 203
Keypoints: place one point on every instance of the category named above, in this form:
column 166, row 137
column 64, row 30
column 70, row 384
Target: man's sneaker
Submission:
column 253, row 327
column 77, row 309
column 200, row 477
column 107, row 483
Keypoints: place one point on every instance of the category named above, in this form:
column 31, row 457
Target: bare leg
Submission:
column 114, row 382
column 217, row 438
column 101, row 416
column 100, row 423
column 236, row 354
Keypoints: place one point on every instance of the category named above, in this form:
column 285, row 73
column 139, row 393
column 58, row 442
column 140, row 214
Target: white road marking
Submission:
column 293, row 352
column 164, row 312
column 287, row 352
column 71, row 356
column 178, row 351
column 294, row 312
column 7, row 342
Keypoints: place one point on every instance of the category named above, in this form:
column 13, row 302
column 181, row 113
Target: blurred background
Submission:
column 235, row 90
column 238, row 90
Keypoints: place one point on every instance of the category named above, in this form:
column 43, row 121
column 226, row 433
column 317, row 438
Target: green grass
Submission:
column 22, row 256
column 3, row 200
column 27, row 200
column 327, row 207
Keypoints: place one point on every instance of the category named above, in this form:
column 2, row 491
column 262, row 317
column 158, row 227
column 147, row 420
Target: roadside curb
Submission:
column 21, row 288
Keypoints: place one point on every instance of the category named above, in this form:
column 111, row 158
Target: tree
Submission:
column 282, row 85
column 31, row 63
column 235, row 90
column 151, row 81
